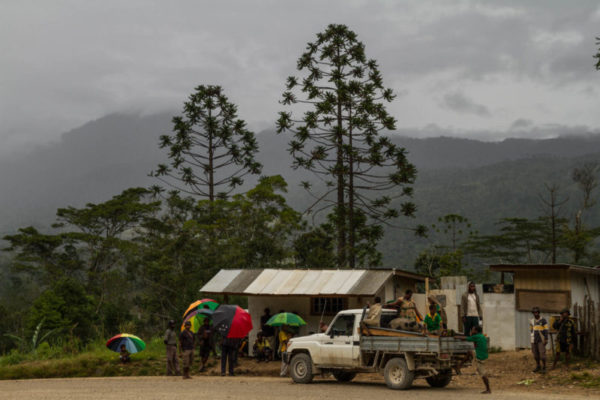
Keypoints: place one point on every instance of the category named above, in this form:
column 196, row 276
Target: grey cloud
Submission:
column 521, row 123
column 65, row 63
column 458, row 102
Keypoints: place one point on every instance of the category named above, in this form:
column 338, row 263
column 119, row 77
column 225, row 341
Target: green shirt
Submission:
column 481, row 348
column 433, row 323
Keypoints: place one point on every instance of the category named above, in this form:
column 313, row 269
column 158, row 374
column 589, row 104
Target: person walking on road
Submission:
column 170, row 341
column 538, row 327
column 470, row 309
column 186, row 348
column 481, row 354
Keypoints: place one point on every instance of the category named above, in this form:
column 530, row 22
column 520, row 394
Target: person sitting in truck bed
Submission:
column 374, row 316
column 440, row 310
column 433, row 321
column 408, row 315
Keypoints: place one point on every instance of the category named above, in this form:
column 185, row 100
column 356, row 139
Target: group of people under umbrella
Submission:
column 203, row 321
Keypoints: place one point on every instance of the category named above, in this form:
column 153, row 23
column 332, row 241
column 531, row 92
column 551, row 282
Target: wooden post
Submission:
column 426, row 290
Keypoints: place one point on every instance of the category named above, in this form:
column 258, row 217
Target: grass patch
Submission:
column 92, row 360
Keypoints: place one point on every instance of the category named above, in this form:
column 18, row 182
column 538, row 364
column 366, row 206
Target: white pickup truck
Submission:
column 343, row 350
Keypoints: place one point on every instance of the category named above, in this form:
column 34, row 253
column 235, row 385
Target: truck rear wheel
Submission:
column 440, row 380
column 301, row 368
column 343, row 376
column 397, row 374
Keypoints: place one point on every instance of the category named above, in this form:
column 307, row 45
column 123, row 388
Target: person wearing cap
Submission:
column 170, row 341
column 538, row 327
column 566, row 336
column 186, row 348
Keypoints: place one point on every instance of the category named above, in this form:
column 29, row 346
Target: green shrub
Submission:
column 12, row 358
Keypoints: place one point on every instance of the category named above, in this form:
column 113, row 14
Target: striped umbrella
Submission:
column 286, row 318
column 200, row 304
column 132, row 343
column 197, row 311
column 232, row 321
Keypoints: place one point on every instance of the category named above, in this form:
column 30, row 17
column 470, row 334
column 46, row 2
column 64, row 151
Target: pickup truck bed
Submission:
column 417, row 343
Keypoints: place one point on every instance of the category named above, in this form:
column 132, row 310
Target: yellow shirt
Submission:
column 283, row 339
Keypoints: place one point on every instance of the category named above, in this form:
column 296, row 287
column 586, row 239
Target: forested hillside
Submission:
column 483, row 181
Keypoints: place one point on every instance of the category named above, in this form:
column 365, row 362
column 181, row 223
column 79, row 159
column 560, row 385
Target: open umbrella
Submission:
column 132, row 343
column 286, row 318
column 196, row 318
column 200, row 304
column 197, row 311
column 231, row 321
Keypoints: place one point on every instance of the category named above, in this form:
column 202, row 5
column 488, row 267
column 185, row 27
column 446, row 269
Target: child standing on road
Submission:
column 481, row 354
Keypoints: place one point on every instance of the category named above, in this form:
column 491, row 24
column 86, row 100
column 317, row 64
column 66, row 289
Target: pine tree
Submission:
column 338, row 138
column 210, row 148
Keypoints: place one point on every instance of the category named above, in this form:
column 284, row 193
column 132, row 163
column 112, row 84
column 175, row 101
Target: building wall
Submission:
column 498, row 319
column 542, row 280
column 451, row 307
column 582, row 285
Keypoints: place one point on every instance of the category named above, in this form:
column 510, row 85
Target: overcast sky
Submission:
column 477, row 69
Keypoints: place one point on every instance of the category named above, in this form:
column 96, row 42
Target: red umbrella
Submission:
column 231, row 321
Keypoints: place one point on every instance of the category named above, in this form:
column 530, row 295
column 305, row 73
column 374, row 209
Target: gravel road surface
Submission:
column 247, row 388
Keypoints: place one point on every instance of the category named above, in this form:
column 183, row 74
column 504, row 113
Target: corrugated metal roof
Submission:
column 375, row 281
column 299, row 282
column 220, row 281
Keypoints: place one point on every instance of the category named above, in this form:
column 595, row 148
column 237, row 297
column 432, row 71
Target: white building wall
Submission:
column 582, row 285
column 499, row 319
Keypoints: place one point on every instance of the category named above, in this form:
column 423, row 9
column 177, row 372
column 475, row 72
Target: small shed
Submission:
column 551, row 287
column 312, row 294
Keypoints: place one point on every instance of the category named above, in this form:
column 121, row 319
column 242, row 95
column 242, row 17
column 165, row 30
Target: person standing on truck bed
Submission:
column 374, row 316
column 408, row 315
column 481, row 354
column 470, row 309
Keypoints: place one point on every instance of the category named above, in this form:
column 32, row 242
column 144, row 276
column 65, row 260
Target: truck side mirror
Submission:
column 332, row 332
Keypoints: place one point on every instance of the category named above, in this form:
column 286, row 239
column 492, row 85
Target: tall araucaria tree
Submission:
column 210, row 149
column 338, row 138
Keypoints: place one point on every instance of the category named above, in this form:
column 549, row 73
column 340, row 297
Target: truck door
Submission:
column 338, row 348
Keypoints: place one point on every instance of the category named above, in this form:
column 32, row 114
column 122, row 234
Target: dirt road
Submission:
column 247, row 388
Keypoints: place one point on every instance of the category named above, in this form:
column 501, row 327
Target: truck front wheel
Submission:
column 301, row 368
column 343, row 376
column 441, row 380
column 397, row 374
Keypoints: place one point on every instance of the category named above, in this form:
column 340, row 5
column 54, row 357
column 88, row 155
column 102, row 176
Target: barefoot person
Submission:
column 481, row 354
